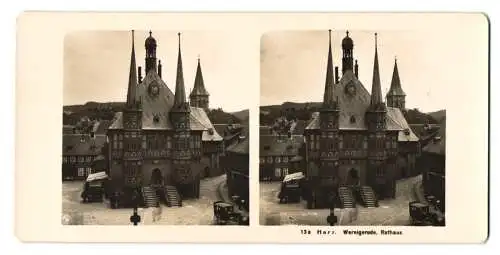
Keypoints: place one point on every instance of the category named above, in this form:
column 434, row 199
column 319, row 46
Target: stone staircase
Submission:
column 346, row 197
column 172, row 196
column 150, row 196
column 368, row 197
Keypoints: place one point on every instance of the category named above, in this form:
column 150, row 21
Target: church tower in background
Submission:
column 396, row 96
column 199, row 95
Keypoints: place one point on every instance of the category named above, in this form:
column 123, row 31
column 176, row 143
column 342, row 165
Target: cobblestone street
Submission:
column 193, row 212
column 390, row 212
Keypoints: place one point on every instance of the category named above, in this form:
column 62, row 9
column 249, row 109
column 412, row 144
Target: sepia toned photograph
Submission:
column 147, row 135
column 364, row 146
column 252, row 127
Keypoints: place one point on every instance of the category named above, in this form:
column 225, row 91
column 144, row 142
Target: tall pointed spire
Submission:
column 328, row 98
column 199, row 85
column 396, row 89
column 180, row 91
column 132, row 78
column 376, row 96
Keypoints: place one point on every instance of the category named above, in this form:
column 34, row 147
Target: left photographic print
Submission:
column 151, row 133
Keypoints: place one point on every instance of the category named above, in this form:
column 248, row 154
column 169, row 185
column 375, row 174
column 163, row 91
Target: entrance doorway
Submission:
column 156, row 178
column 353, row 177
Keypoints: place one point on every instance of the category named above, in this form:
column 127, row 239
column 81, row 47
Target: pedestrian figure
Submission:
column 157, row 211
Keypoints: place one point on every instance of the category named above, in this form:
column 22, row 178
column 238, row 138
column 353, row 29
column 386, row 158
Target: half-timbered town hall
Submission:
column 161, row 143
column 356, row 144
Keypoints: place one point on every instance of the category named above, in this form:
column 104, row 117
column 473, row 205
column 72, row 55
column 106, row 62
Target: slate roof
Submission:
column 421, row 131
column 221, row 128
column 356, row 106
column 240, row 148
column 82, row 145
column 199, row 118
column 395, row 115
column 102, row 126
column 439, row 146
column 271, row 145
column 161, row 105
column 298, row 127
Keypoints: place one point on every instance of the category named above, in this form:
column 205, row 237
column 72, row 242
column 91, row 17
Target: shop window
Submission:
column 81, row 171
column 277, row 172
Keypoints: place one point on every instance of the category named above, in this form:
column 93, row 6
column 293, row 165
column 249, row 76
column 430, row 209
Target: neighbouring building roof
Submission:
column 199, row 116
column 406, row 134
column 82, row 144
column 241, row 147
column 102, row 126
column 229, row 131
column 423, row 130
column 221, row 128
column 298, row 127
column 273, row 145
column 438, row 145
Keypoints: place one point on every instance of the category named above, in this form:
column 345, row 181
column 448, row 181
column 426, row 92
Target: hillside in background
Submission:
column 303, row 111
column 219, row 116
column 439, row 116
column 72, row 114
column 242, row 115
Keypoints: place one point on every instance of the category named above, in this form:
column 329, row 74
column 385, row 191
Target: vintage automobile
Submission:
column 94, row 187
column 425, row 215
column 291, row 188
column 228, row 214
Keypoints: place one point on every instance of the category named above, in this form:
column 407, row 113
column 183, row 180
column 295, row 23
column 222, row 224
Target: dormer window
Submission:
column 353, row 120
column 211, row 131
column 407, row 131
column 156, row 118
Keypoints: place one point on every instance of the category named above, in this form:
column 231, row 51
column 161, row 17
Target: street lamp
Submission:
column 332, row 219
column 135, row 218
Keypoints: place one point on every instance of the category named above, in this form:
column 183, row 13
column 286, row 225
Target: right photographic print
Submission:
column 352, row 127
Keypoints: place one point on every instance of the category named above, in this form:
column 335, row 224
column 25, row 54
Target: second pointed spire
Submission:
column 180, row 91
column 328, row 97
column 132, row 79
column 376, row 96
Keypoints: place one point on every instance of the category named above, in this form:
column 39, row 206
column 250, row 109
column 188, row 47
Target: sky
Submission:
column 431, row 63
column 97, row 63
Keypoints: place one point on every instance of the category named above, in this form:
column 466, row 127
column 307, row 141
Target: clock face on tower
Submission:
column 350, row 88
column 154, row 89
